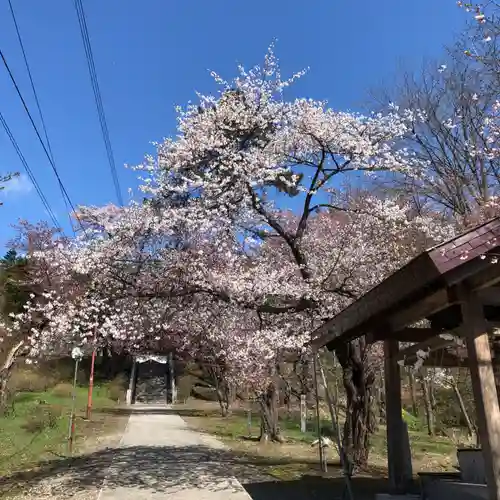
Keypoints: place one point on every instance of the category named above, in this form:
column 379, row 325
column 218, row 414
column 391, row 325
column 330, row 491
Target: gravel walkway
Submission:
column 158, row 457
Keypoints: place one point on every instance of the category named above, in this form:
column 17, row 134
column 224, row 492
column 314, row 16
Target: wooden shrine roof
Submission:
column 423, row 288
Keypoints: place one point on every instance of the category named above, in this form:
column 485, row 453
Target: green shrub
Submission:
column 412, row 422
column 63, row 390
column 43, row 417
column 204, row 393
column 185, row 385
column 29, row 380
column 117, row 387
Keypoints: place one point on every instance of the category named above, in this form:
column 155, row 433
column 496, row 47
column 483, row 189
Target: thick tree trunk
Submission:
column 432, row 395
column 381, row 400
column 429, row 411
column 303, row 371
column 269, row 422
column 223, row 390
column 6, row 370
column 358, row 378
column 223, row 402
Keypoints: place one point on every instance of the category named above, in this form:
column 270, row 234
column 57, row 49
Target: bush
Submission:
column 29, row 380
column 205, row 393
column 43, row 417
column 63, row 390
column 185, row 385
column 412, row 422
column 61, row 370
column 117, row 388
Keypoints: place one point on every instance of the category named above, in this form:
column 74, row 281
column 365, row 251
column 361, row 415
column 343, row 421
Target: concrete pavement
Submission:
column 160, row 457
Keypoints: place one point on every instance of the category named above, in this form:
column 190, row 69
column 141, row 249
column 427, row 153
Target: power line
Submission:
column 37, row 101
column 52, row 164
column 97, row 96
column 42, row 196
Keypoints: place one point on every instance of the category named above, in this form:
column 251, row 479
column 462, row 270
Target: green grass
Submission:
column 428, row 453
column 236, row 426
column 421, row 443
column 24, row 445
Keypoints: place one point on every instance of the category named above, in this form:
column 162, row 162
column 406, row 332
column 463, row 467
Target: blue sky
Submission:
column 151, row 55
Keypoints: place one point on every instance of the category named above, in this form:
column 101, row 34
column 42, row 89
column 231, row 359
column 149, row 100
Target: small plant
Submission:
column 43, row 417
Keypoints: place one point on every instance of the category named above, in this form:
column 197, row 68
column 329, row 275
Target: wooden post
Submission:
column 71, row 430
column 303, row 413
column 173, row 389
column 131, row 384
column 483, row 386
column 398, row 447
column 249, row 419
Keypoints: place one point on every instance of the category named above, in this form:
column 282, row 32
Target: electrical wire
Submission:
column 97, row 96
column 31, row 176
column 52, row 164
column 37, row 101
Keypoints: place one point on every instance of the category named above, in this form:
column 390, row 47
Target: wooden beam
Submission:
column 483, row 386
column 490, row 295
column 433, row 303
column 488, row 277
column 429, row 345
column 398, row 444
column 406, row 334
column 444, row 359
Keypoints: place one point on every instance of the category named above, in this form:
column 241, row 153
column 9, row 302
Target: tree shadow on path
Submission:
column 171, row 469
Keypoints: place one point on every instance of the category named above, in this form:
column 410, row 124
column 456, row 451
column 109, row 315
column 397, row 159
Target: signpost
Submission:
column 77, row 355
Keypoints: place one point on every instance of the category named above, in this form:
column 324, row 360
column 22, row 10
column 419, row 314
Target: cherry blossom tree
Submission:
column 211, row 239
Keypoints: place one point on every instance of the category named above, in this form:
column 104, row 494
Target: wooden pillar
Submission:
column 303, row 413
column 398, row 446
column 483, row 385
column 173, row 388
column 131, row 385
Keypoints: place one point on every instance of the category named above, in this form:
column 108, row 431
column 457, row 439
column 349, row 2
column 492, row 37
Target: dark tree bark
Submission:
column 269, row 422
column 380, row 399
column 413, row 392
column 6, row 370
column 303, row 371
column 358, row 378
column 429, row 410
column 223, row 389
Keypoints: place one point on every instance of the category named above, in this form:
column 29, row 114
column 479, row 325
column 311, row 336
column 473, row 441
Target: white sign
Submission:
column 77, row 353
column 157, row 359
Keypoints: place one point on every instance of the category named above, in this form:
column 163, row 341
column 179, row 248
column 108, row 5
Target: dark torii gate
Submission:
column 456, row 287
column 169, row 373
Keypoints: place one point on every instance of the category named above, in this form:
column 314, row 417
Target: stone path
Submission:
column 160, row 457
